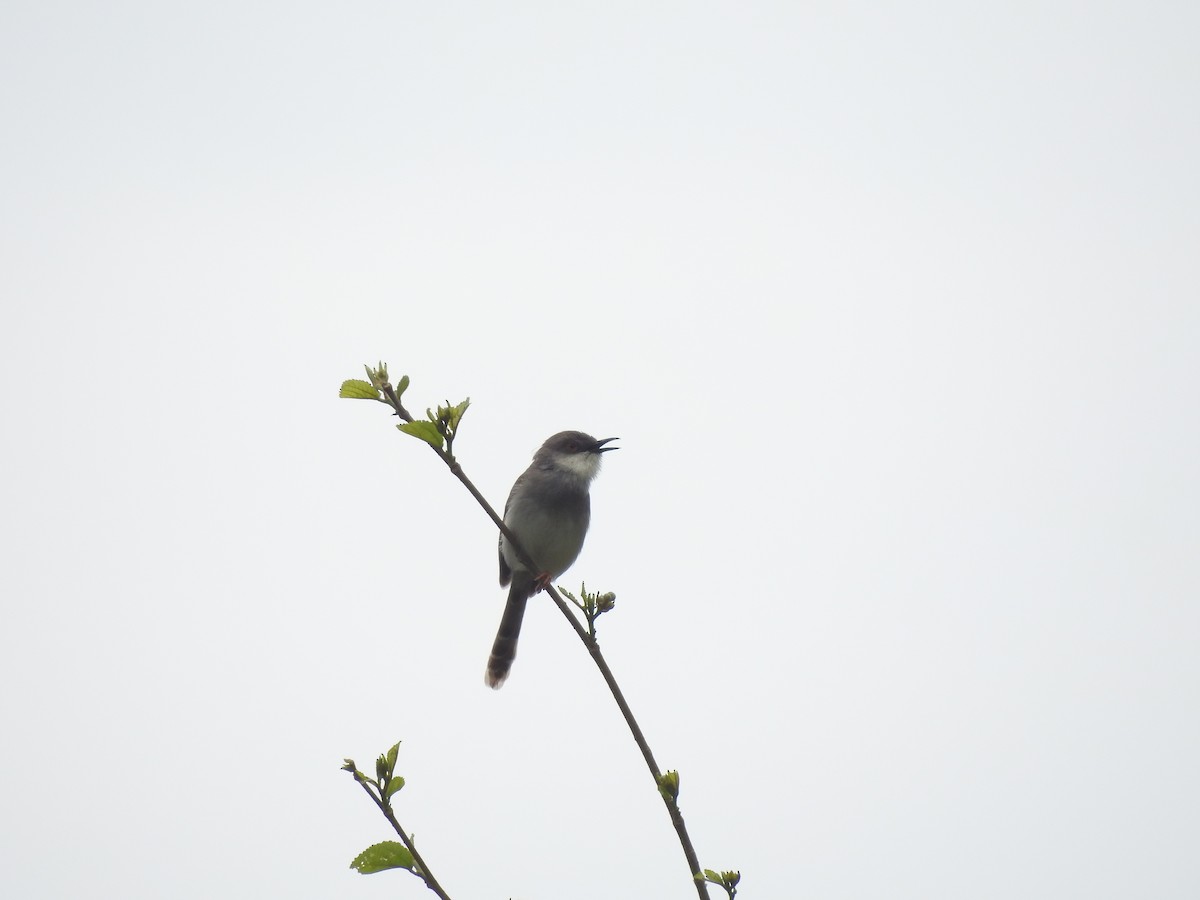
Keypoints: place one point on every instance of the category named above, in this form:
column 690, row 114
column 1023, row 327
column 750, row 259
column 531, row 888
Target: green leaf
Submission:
column 402, row 386
column 377, row 857
column 668, row 785
column 391, row 757
column 426, row 431
column 727, row 880
column 394, row 785
column 357, row 389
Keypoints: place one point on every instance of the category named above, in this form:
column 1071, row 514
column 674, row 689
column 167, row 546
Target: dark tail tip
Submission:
column 504, row 651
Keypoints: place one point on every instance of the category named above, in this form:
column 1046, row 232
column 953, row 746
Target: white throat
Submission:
column 583, row 466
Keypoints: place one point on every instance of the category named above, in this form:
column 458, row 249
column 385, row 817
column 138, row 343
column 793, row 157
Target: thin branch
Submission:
column 590, row 642
column 424, row 874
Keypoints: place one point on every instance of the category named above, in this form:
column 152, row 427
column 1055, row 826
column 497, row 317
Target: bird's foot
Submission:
column 542, row 582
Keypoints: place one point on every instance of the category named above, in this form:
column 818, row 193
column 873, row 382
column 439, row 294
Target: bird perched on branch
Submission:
column 547, row 511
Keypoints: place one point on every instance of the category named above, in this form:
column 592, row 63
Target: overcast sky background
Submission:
column 894, row 308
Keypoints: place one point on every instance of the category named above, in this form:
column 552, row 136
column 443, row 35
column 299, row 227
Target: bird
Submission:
column 548, row 511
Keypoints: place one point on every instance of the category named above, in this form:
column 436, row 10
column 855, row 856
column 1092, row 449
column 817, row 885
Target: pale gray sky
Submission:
column 895, row 308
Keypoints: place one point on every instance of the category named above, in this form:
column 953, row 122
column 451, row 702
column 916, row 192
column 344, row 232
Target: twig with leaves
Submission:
column 389, row 854
column 438, row 430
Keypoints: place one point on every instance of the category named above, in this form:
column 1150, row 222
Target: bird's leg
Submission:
column 542, row 582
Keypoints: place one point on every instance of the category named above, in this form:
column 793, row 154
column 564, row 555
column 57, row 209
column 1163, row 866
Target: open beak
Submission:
column 600, row 448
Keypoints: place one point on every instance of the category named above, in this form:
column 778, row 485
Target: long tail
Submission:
column 504, row 650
